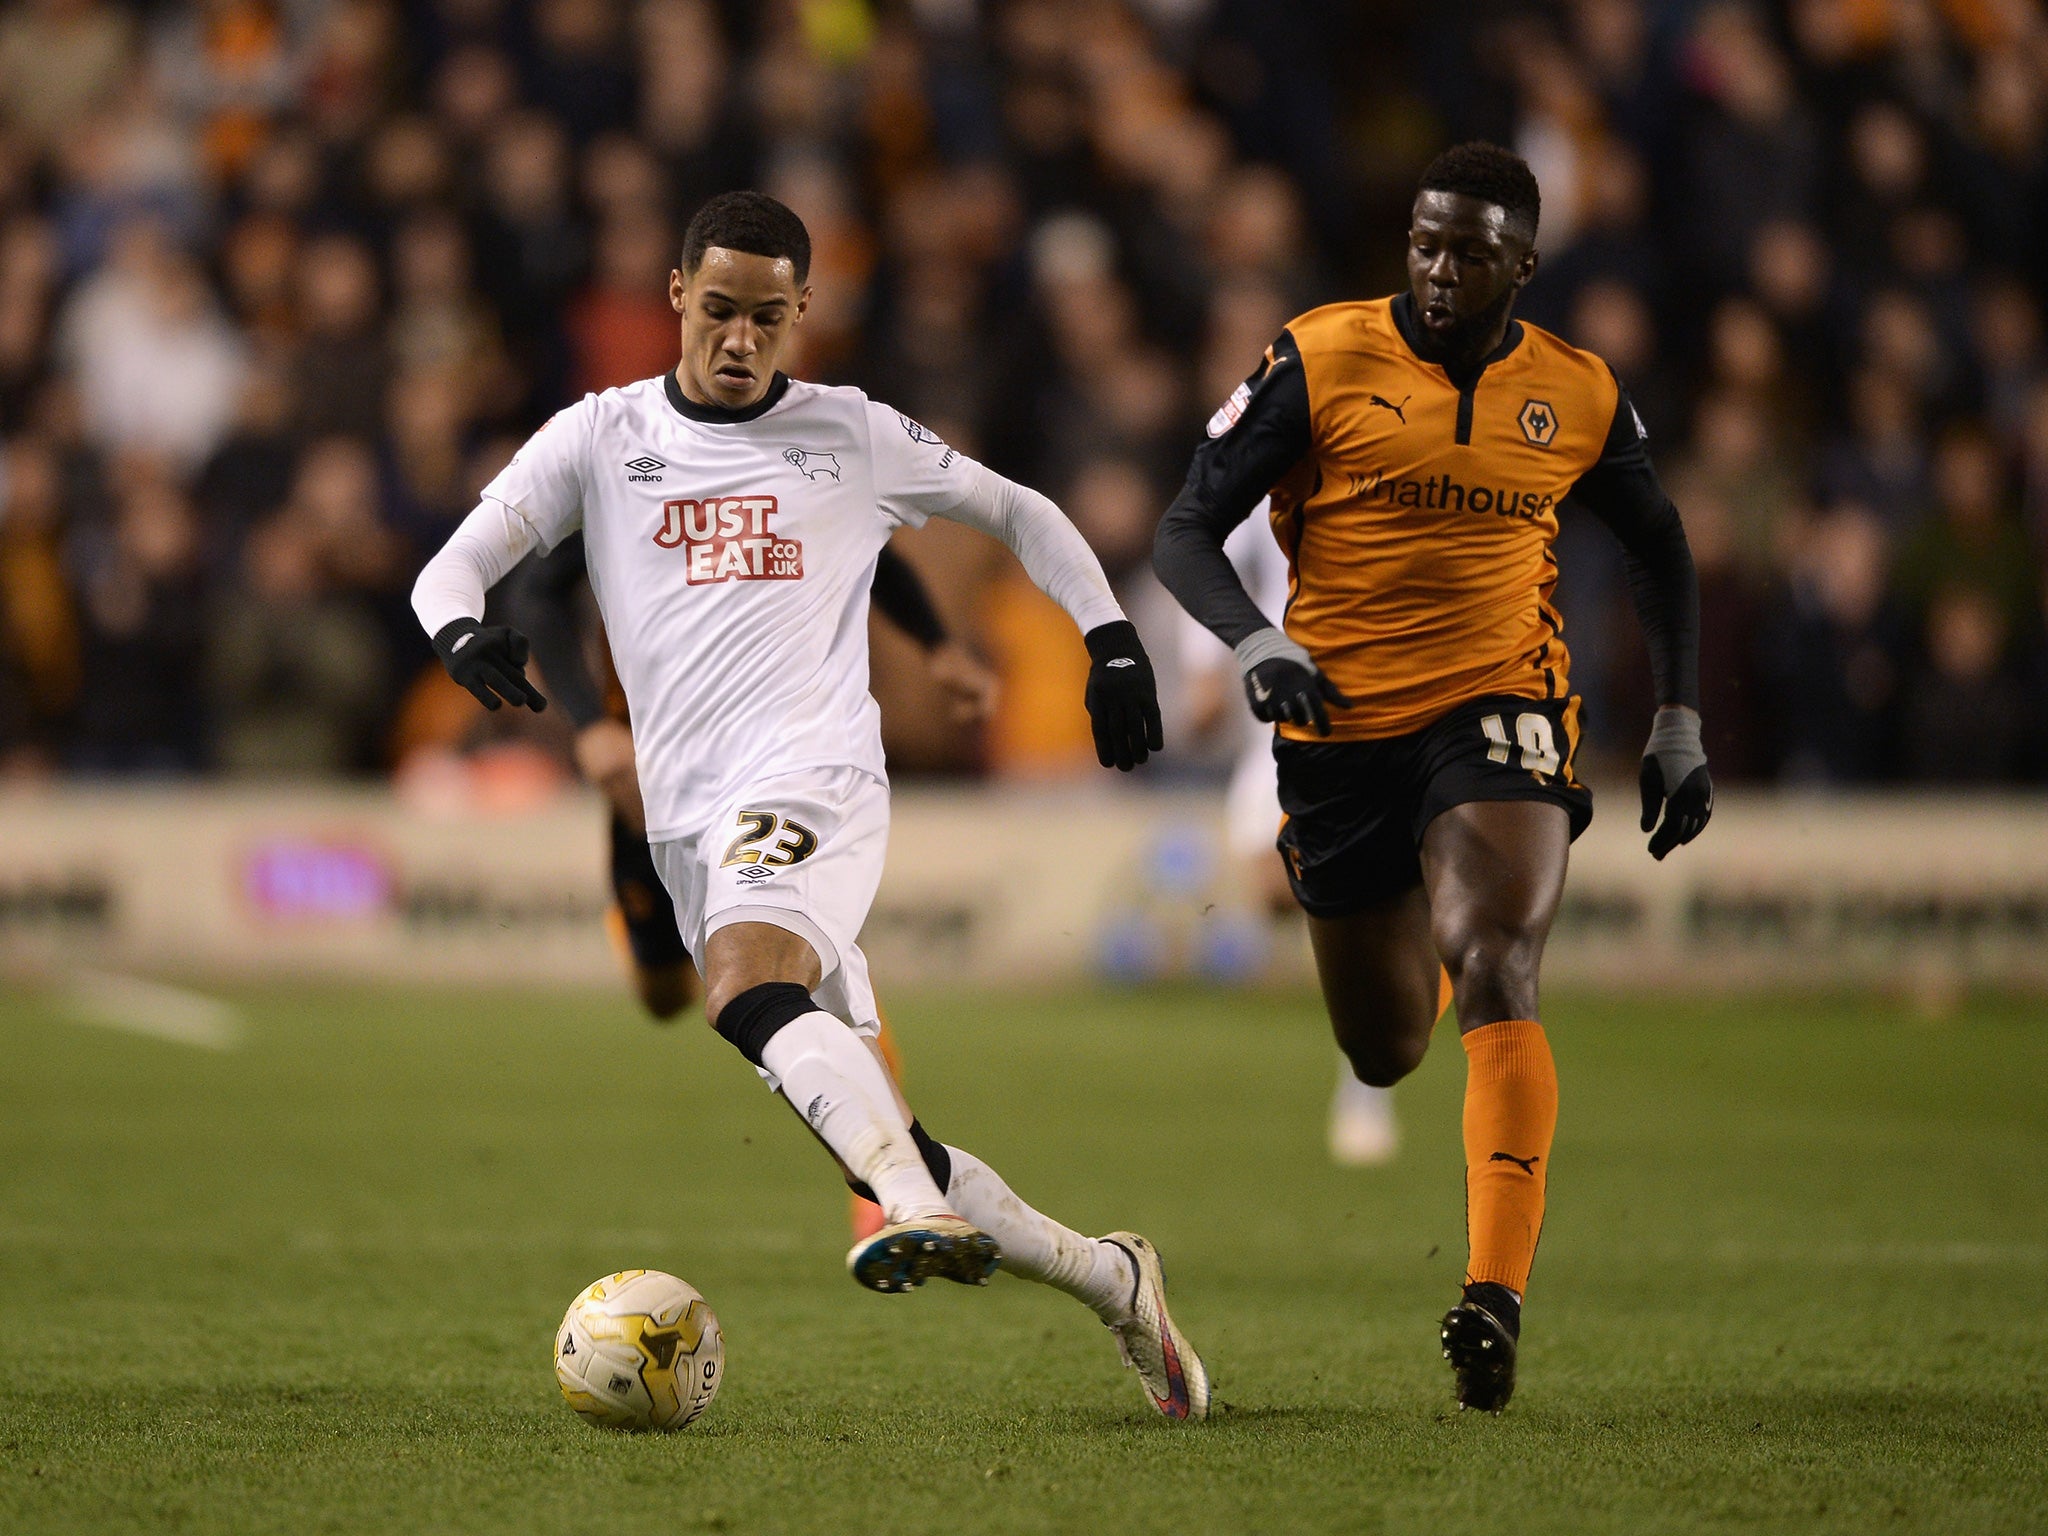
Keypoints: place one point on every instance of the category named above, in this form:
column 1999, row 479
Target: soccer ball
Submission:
column 639, row 1350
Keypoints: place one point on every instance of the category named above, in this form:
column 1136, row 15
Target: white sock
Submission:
column 833, row 1080
column 1035, row 1247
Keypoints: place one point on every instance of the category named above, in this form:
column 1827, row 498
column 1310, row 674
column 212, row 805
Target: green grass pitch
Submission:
column 1793, row 1279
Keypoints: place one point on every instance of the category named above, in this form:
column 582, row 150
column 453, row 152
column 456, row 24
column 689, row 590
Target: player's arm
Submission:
column 449, row 600
column 1122, row 696
column 917, row 476
column 1258, row 436
column 1623, row 491
column 900, row 596
column 535, row 502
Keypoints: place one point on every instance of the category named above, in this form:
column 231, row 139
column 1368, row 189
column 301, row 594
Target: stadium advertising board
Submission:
column 1004, row 886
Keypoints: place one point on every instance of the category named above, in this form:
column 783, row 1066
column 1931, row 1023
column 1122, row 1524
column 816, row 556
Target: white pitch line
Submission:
column 153, row 1008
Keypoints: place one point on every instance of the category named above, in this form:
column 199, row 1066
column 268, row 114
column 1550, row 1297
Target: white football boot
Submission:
column 903, row 1256
column 1159, row 1352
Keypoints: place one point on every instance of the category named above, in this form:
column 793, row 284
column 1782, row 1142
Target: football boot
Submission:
column 905, row 1254
column 1480, row 1337
column 1174, row 1377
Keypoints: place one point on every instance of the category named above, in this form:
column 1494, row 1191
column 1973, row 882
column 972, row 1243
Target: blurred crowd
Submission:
column 284, row 282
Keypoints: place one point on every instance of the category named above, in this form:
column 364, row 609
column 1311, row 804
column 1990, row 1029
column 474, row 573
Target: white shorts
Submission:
column 802, row 851
column 1252, row 809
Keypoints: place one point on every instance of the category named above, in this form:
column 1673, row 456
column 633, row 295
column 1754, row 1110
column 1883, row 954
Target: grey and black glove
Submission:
column 1282, row 683
column 1675, row 780
column 1122, row 696
column 489, row 662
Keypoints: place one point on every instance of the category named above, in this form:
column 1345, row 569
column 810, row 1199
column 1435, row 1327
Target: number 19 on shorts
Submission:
column 1532, row 734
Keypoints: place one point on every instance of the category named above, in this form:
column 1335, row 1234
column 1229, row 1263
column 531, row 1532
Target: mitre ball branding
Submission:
column 728, row 538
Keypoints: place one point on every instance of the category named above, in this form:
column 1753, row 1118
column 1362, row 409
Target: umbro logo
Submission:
column 1526, row 1164
column 755, row 873
column 1385, row 404
column 646, row 467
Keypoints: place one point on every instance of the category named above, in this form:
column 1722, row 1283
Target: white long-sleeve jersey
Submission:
column 731, row 554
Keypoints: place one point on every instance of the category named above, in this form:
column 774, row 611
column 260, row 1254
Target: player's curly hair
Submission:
column 1489, row 173
column 752, row 222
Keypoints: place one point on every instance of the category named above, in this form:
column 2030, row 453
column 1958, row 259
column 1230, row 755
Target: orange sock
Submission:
column 886, row 1039
column 1510, row 1117
column 1445, row 994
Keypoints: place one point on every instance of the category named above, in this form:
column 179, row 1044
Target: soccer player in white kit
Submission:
column 731, row 519
column 1362, row 1130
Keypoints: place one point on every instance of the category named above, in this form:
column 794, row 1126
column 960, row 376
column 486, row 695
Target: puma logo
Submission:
column 1387, row 405
column 1526, row 1164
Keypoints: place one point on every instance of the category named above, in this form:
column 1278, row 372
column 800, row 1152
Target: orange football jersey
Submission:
column 1418, row 528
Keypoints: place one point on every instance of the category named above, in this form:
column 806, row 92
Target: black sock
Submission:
column 751, row 1020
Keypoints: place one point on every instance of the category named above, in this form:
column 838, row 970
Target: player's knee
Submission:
column 1383, row 1062
column 750, row 1018
column 722, row 988
column 1493, row 971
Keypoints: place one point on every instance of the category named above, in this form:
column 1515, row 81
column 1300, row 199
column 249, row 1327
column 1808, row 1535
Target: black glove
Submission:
column 490, row 663
column 1282, row 682
column 1675, row 780
column 1122, row 697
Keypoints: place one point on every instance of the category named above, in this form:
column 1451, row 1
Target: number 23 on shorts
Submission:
column 798, row 842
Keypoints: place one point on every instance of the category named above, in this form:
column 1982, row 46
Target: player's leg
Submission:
column 787, row 985
column 759, row 980
column 1362, row 1131
column 1495, row 872
column 1348, row 846
column 1118, row 1277
column 1380, row 979
column 642, row 922
column 772, row 897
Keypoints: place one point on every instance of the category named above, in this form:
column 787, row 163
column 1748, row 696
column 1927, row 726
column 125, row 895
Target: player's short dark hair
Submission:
column 752, row 222
column 1489, row 173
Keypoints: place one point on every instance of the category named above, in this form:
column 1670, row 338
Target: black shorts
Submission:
column 1356, row 810
column 644, row 901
